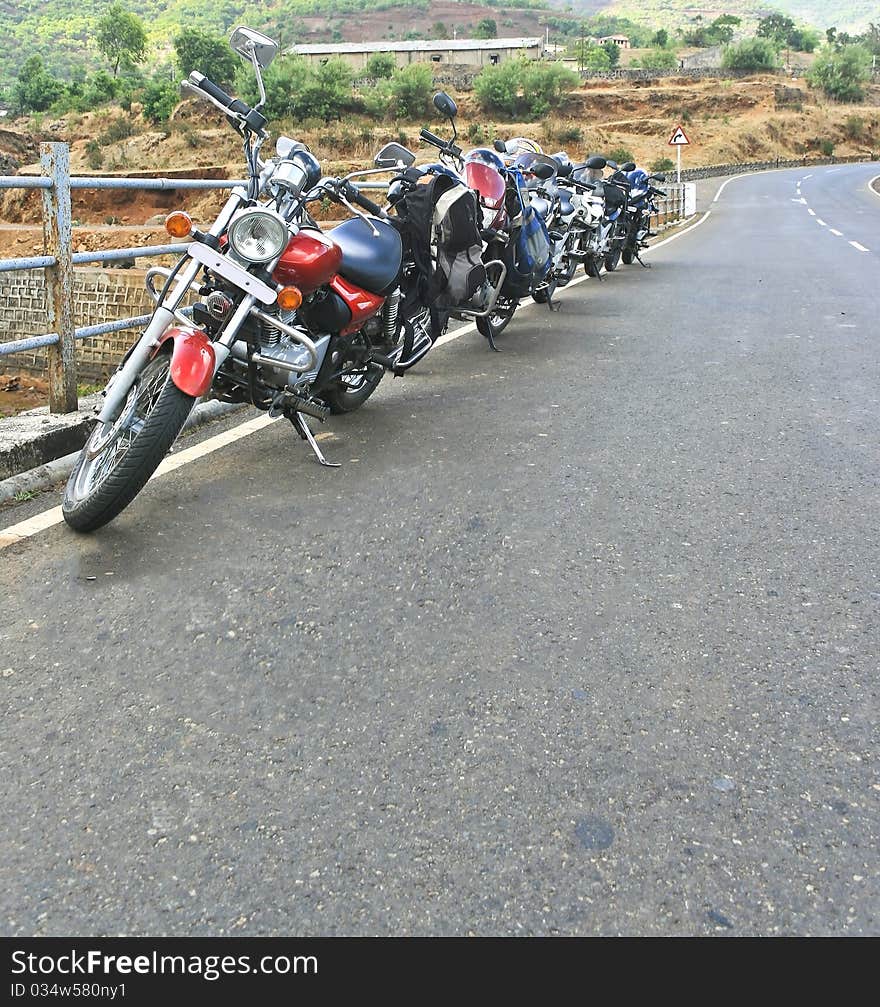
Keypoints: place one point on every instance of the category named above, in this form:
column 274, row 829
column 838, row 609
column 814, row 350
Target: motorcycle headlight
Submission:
column 257, row 235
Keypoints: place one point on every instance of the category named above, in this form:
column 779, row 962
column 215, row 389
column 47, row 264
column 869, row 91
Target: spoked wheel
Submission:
column 496, row 321
column 355, row 385
column 120, row 456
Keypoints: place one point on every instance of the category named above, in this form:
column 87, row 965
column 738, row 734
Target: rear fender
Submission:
column 192, row 359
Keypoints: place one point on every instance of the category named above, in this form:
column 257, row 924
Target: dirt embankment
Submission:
column 760, row 118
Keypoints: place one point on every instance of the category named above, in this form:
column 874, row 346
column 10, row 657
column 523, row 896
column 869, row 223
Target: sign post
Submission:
column 678, row 140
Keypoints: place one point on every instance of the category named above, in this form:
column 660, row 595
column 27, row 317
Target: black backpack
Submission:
column 440, row 221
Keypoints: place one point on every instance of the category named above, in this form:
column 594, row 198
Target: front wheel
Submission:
column 628, row 255
column 612, row 259
column 120, row 456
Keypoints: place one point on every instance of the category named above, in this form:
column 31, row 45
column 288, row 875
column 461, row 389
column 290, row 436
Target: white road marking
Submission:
column 821, row 223
column 32, row 526
column 802, row 201
column 40, row 522
column 871, row 188
column 835, row 231
column 812, row 213
column 806, row 177
column 861, row 248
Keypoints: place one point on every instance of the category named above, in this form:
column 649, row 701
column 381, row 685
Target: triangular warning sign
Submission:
column 678, row 138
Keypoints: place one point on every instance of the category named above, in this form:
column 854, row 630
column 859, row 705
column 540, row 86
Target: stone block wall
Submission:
column 99, row 295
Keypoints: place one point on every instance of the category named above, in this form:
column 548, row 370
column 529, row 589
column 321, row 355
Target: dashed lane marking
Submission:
column 834, row 230
column 861, row 248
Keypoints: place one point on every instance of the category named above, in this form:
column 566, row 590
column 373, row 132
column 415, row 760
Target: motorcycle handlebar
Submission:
column 218, row 94
column 354, row 194
column 430, row 137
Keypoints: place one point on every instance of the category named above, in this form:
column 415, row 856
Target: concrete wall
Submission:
column 99, row 295
column 476, row 58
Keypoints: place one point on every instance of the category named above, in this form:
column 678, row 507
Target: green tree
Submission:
column 497, row 87
column 595, row 58
column 121, row 37
column 200, row 50
column 36, row 89
column 841, row 73
column 776, row 28
column 159, row 98
column 613, row 52
column 411, row 89
column 380, row 65
column 660, row 39
column 750, row 54
column 487, row 28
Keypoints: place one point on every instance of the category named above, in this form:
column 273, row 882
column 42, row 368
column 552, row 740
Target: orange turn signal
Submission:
column 179, row 224
column 290, row 298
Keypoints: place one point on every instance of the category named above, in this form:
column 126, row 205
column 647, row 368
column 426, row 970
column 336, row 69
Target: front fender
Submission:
column 192, row 359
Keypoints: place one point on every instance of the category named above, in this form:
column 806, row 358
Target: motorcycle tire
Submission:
column 592, row 266
column 345, row 396
column 543, row 293
column 628, row 255
column 496, row 322
column 612, row 260
column 103, row 485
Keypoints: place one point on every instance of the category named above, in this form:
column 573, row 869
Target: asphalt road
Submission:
column 582, row 639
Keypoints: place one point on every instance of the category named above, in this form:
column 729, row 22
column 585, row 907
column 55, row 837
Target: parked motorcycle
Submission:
column 640, row 208
column 287, row 317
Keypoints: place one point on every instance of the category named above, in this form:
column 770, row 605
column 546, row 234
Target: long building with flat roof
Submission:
column 476, row 52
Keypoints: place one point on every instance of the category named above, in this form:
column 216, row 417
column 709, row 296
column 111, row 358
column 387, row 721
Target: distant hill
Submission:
column 849, row 15
column 62, row 31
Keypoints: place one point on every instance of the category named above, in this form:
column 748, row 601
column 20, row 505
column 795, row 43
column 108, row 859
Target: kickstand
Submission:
column 491, row 339
column 647, row 265
column 302, row 428
column 550, row 305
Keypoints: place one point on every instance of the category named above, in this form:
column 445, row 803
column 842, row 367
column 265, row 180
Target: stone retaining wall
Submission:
column 99, row 295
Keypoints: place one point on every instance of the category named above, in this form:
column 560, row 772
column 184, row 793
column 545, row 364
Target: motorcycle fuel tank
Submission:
column 309, row 261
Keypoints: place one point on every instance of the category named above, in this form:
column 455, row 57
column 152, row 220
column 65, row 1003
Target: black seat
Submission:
column 371, row 261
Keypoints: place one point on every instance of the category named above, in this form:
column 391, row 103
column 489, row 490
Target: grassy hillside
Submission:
column 851, row 15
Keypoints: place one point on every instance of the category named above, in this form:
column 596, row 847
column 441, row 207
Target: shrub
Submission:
column 94, row 155
column 36, row 89
column 662, row 164
column 841, row 73
column 159, row 98
column 118, row 129
column 827, row 148
column 298, row 91
column 854, row 127
column 621, row 155
column 476, row 134
column 525, row 86
column 659, row 59
column 380, row 66
column 750, row 54
column 411, row 91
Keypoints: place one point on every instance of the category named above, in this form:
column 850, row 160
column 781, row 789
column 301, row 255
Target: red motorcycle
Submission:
column 287, row 318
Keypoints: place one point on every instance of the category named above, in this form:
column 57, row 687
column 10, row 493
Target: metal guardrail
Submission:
column 56, row 184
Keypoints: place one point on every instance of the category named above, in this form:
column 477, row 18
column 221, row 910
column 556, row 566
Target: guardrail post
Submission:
column 58, row 241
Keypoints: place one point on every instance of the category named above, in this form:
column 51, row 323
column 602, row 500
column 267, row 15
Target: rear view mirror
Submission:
column 445, row 105
column 629, row 166
column 542, row 171
column 253, row 45
column 596, row 162
column 613, row 165
column 394, row 155
column 659, row 178
column 500, row 146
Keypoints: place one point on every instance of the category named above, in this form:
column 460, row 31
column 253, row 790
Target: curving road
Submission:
column 582, row 639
